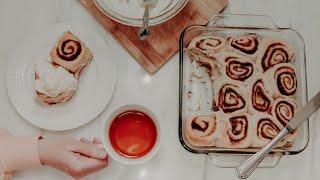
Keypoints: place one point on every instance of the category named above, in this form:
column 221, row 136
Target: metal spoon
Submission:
column 144, row 29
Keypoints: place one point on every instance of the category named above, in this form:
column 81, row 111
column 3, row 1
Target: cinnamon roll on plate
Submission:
column 56, row 80
column 53, row 84
column 71, row 53
column 246, row 44
column 34, row 81
column 203, row 130
column 282, row 80
column 275, row 51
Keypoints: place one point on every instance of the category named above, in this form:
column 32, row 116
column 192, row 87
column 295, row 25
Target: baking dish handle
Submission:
column 243, row 21
column 234, row 160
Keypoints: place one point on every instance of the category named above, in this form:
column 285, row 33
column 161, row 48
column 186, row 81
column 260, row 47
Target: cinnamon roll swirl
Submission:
column 208, row 45
column 266, row 128
column 261, row 100
column 202, row 130
column 246, row 44
column 71, row 53
column 238, row 68
column 238, row 131
column 276, row 51
column 282, row 79
column 284, row 109
column 231, row 97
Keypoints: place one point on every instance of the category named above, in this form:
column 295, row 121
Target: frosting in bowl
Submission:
column 134, row 8
column 52, row 80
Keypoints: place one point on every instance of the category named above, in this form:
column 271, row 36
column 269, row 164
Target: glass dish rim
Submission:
column 181, row 83
column 162, row 17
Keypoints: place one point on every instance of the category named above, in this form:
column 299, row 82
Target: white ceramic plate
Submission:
column 95, row 89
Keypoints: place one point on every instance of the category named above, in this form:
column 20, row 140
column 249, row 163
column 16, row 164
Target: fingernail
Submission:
column 96, row 140
column 102, row 153
column 84, row 140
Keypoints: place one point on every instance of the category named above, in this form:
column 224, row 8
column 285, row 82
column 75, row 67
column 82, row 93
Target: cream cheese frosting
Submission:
column 134, row 8
column 52, row 80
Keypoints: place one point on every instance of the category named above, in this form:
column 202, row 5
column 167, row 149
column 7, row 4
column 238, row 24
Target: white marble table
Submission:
column 159, row 92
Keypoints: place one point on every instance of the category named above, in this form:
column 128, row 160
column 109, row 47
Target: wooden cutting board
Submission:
column 163, row 41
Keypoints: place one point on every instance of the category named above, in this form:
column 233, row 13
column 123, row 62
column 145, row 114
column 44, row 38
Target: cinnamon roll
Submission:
column 61, row 98
column 245, row 44
column 202, row 130
column 238, row 68
column 71, row 53
column 276, row 51
column 53, row 84
column 282, row 80
column 208, row 45
column 265, row 129
column 261, row 99
column 284, row 109
column 237, row 133
column 231, row 97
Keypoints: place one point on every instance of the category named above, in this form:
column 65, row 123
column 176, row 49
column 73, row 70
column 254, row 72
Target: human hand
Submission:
column 6, row 176
column 77, row 158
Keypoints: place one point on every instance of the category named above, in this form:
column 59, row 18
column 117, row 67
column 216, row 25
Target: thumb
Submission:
column 90, row 150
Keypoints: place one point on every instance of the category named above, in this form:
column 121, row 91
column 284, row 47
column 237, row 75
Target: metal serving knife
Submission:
column 249, row 165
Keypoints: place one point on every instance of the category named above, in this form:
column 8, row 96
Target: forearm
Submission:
column 18, row 152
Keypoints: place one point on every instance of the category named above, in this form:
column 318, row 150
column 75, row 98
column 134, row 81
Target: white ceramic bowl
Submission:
column 172, row 9
column 106, row 140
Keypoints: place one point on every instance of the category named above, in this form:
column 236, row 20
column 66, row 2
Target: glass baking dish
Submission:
column 234, row 24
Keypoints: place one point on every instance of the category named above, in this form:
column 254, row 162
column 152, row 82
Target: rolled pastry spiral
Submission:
column 284, row 109
column 267, row 129
column 276, row 52
column 286, row 80
column 237, row 129
column 283, row 79
column 201, row 130
column 231, row 98
column 69, row 49
column 238, row 67
column 260, row 98
column 247, row 44
column 207, row 44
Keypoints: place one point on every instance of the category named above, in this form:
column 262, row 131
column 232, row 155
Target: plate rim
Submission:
column 91, row 117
